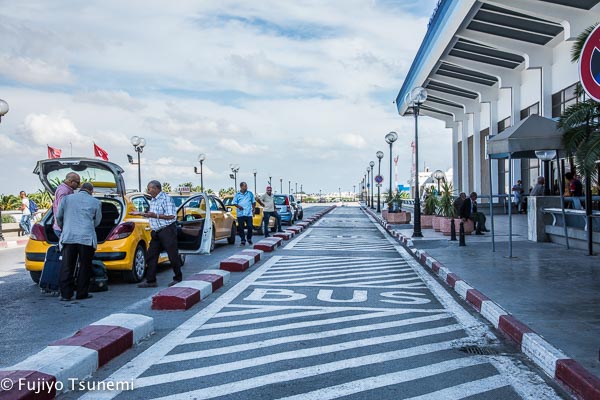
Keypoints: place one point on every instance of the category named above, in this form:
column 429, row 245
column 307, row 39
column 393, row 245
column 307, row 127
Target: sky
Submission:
column 301, row 90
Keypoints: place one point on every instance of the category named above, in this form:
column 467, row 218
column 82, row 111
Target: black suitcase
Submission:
column 49, row 281
column 99, row 279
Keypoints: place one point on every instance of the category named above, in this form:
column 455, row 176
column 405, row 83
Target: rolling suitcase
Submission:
column 49, row 281
column 99, row 279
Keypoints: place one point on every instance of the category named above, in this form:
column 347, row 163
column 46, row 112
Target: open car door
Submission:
column 194, row 226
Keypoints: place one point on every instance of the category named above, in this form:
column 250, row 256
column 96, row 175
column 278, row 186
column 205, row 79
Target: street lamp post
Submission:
column 379, row 155
column 414, row 100
column 368, row 186
column 270, row 180
column 3, row 111
column 390, row 138
column 280, row 185
column 201, row 158
column 254, row 172
column 372, row 164
column 296, row 191
column 289, row 186
column 438, row 175
column 138, row 145
column 353, row 192
column 235, row 168
column 340, row 192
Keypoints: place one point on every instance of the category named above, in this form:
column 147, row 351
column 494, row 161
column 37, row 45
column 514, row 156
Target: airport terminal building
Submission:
column 488, row 64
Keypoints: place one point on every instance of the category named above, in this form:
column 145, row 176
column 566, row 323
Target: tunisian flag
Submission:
column 100, row 152
column 53, row 152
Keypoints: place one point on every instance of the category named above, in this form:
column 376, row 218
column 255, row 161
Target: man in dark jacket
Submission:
column 468, row 210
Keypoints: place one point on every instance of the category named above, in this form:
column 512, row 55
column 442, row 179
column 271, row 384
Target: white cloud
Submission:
column 114, row 98
column 34, row 71
column 235, row 147
column 43, row 128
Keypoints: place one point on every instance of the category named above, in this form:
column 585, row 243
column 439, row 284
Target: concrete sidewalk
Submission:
column 12, row 240
column 555, row 291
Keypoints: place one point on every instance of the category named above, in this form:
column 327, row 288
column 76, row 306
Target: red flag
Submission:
column 53, row 152
column 100, row 152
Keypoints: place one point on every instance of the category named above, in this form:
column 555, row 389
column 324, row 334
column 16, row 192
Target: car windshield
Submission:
column 102, row 179
column 227, row 201
column 279, row 200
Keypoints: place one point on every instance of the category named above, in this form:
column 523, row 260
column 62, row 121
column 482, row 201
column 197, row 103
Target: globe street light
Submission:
column 235, row 169
column 414, row 99
column 390, row 138
column 138, row 145
column 201, row 158
column 438, row 175
column 372, row 164
column 3, row 108
column 254, row 172
column 379, row 155
column 280, row 185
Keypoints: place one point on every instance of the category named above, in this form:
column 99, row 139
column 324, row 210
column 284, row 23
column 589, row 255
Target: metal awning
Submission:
column 523, row 139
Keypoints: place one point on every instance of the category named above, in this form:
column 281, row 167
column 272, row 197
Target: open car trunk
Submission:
column 112, row 213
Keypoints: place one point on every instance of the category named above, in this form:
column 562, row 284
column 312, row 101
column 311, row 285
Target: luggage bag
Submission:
column 50, row 278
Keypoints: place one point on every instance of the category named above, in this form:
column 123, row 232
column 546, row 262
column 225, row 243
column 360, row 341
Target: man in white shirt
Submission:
column 26, row 217
column 268, row 202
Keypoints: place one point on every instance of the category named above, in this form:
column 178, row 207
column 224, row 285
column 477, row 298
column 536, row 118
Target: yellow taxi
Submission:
column 257, row 218
column 123, row 239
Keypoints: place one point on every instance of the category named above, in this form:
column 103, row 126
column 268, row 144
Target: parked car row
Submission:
column 123, row 239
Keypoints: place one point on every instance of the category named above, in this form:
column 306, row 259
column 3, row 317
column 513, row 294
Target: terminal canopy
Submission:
column 523, row 139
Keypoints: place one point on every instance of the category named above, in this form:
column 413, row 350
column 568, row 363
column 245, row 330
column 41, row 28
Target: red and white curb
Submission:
column 190, row 291
column 10, row 244
column 551, row 360
column 63, row 363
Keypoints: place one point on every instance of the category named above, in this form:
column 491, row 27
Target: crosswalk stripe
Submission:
column 279, row 328
column 302, row 337
column 265, row 319
column 327, row 270
column 381, row 279
column 367, row 284
column 384, row 380
column 300, row 373
column 466, row 389
column 390, row 272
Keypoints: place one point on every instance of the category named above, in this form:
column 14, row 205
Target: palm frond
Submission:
column 577, row 114
column 579, row 42
column 588, row 153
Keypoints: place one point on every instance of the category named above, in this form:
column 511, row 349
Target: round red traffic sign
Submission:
column 378, row 178
column 589, row 65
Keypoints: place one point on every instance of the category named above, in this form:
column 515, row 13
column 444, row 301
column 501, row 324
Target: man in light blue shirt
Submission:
column 245, row 203
column 78, row 216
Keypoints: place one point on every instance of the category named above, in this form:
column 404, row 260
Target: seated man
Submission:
column 459, row 202
column 468, row 210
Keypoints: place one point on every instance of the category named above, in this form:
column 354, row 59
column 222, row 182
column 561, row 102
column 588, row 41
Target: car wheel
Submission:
column 182, row 259
column 35, row 276
column 138, row 268
column 231, row 238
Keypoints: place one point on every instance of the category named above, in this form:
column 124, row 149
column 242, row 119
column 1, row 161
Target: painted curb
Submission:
column 551, row 360
column 79, row 355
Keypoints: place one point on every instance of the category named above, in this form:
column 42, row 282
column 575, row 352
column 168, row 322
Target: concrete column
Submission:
column 476, row 152
column 455, row 154
column 465, row 155
column 494, row 131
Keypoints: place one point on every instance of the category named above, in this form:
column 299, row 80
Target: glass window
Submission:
column 565, row 98
column 219, row 204
column 504, row 124
column 531, row 110
column 141, row 204
column 279, row 200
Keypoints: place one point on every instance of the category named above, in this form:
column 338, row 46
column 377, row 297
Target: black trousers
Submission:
column 70, row 254
column 164, row 239
column 245, row 222
column 267, row 216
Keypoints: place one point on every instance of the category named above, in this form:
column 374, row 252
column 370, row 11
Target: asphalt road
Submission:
column 30, row 320
column 340, row 312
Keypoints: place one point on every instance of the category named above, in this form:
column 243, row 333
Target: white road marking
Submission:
column 296, row 338
column 299, row 373
column 466, row 389
column 394, row 378
column 272, row 318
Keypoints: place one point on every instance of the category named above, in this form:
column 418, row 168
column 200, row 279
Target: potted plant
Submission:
column 395, row 214
column 429, row 209
column 446, row 209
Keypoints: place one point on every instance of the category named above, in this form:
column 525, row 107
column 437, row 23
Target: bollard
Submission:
column 452, row 230
column 461, row 234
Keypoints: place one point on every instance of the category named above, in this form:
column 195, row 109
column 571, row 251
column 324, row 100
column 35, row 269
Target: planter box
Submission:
column 446, row 224
column 398, row 218
column 426, row 221
column 435, row 222
column 384, row 214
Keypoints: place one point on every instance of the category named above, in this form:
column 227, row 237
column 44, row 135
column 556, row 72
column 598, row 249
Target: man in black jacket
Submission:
column 468, row 210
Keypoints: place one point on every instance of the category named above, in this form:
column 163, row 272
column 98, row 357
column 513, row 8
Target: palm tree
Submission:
column 166, row 187
column 582, row 138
